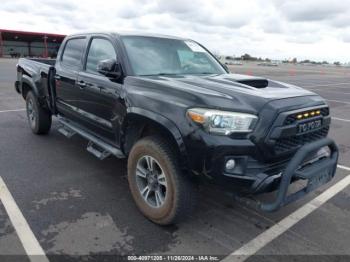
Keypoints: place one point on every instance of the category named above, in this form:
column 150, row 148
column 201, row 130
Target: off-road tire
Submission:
column 181, row 193
column 39, row 118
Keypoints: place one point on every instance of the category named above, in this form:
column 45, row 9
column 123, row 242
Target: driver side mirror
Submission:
column 110, row 68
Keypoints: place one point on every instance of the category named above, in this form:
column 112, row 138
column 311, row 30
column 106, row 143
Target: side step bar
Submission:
column 66, row 132
column 96, row 146
column 97, row 151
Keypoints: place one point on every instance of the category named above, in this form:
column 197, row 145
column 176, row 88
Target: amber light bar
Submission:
column 308, row 114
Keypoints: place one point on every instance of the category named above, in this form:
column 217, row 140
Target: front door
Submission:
column 99, row 96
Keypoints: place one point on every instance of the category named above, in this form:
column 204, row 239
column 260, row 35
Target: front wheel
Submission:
column 161, row 192
column 39, row 118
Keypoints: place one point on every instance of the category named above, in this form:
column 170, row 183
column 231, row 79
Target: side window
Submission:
column 100, row 49
column 72, row 52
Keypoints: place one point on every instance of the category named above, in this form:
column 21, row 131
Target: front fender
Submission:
column 164, row 122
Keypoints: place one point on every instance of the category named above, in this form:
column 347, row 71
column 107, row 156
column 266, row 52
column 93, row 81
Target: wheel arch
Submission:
column 28, row 85
column 140, row 123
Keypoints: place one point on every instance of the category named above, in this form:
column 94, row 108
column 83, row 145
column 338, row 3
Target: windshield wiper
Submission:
column 170, row 74
column 206, row 73
column 162, row 74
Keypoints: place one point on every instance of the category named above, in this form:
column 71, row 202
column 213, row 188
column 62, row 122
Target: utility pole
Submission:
column 1, row 46
column 46, row 54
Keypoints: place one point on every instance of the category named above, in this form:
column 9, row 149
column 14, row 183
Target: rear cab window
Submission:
column 72, row 53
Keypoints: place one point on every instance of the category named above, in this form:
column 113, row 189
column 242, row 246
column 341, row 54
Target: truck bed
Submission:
column 46, row 61
column 34, row 70
column 35, row 66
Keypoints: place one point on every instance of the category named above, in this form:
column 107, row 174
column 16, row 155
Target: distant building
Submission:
column 230, row 60
column 32, row 44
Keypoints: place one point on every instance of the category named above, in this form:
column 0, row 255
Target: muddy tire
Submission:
column 39, row 118
column 162, row 193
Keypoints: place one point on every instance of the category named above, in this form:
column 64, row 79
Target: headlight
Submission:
column 223, row 122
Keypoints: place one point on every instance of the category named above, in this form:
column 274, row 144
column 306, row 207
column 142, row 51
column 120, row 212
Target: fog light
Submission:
column 230, row 164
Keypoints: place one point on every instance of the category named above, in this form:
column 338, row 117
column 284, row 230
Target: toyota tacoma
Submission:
column 180, row 118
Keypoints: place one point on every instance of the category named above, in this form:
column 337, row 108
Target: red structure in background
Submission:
column 28, row 38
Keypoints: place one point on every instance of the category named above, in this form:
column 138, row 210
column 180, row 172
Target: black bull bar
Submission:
column 317, row 173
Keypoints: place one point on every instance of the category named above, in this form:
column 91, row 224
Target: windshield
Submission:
column 163, row 56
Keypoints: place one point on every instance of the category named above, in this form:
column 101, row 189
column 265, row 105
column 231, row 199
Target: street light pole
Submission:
column 1, row 45
column 45, row 46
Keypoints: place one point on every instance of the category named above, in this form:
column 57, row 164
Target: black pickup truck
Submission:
column 180, row 117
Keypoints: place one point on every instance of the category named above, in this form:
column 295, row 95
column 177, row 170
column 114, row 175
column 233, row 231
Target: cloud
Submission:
column 178, row 7
column 304, row 39
column 315, row 29
column 346, row 37
column 273, row 25
column 312, row 10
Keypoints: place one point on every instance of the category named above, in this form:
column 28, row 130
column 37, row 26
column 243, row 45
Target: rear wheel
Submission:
column 161, row 192
column 39, row 118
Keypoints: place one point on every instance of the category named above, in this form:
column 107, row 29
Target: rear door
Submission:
column 68, row 66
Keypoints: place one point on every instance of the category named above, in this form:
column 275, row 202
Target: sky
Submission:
column 279, row 29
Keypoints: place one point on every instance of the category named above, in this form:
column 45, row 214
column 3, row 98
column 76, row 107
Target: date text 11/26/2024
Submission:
column 173, row 258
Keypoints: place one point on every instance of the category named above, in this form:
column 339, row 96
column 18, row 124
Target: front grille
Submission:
column 293, row 142
column 292, row 118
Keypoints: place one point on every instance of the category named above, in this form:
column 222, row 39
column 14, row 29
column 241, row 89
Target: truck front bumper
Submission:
column 251, row 177
column 317, row 173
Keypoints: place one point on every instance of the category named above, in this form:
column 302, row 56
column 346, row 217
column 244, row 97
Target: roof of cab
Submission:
column 127, row 33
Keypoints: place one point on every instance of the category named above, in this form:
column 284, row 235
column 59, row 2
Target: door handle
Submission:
column 81, row 84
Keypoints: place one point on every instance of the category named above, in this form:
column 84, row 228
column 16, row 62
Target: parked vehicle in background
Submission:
column 180, row 118
column 267, row 64
column 234, row 62
column 230, row 60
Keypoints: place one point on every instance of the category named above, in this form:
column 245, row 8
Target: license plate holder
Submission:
column 319, row 180
column 308, row 126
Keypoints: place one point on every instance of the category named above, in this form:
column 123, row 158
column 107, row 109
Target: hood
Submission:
column 247, row 92
column 231, row 84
